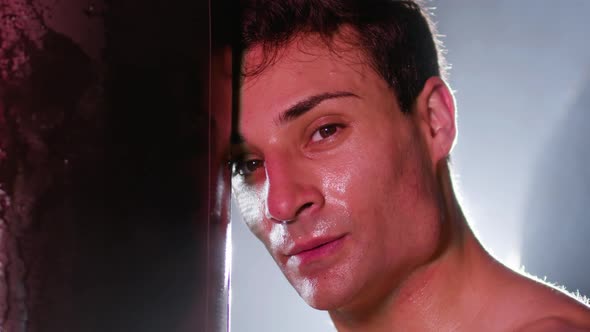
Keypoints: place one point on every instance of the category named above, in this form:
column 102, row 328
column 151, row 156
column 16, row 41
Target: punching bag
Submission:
column 113, row 191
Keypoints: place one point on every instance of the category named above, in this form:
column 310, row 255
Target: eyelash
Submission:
column 239, row 164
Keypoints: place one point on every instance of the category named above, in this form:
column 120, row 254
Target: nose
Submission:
column 291, row 192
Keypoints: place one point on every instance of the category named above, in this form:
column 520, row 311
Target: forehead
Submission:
column 303, row 52
column 306, row 66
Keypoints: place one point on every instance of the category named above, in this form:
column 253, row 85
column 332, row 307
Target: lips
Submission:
column 315, row 249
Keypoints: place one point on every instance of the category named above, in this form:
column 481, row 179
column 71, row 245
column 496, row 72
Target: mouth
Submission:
column 316, row 249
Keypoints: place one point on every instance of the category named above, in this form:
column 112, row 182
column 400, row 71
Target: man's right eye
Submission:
column 247, row 167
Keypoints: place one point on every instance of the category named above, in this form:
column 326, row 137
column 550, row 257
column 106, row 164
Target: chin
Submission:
column 326, row 303
column 322, row 295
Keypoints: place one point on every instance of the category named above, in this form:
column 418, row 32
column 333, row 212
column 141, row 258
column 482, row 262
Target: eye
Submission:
column 325, row 131
column 246, row 167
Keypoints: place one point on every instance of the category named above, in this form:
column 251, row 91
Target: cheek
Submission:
column 251, row 205
column 386, row 189
column 336, row 188
column 411, row 209
column 251, row 208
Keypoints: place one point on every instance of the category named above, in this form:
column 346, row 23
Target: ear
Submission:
column 435, row 109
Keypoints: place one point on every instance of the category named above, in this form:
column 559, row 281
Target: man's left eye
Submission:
column 325, row 132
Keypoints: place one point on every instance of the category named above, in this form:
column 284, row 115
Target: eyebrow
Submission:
column 308, row 104
column 298, row 110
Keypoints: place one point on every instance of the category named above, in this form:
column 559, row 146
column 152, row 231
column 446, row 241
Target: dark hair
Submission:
column 397, row 37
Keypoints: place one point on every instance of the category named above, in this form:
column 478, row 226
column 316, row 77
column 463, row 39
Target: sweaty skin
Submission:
column 354, row 201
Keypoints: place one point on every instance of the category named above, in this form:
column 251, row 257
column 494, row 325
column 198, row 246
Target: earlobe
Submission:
column 439, row 116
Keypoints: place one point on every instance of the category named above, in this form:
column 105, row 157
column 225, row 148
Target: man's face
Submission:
column 335, row 180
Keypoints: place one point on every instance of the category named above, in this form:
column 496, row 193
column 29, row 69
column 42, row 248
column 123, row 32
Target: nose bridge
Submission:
column 290, row 189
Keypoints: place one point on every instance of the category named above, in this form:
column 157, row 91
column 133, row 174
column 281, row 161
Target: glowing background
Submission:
column 521, row 71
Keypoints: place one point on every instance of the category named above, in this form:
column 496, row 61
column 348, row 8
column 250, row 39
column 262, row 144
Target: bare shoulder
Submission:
column 548, row 308
column 554, row 324
column 559, row 312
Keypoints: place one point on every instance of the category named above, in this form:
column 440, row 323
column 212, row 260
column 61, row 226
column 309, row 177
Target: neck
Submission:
column 434, row 295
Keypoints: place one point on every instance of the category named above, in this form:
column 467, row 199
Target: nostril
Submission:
column 303, row 207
